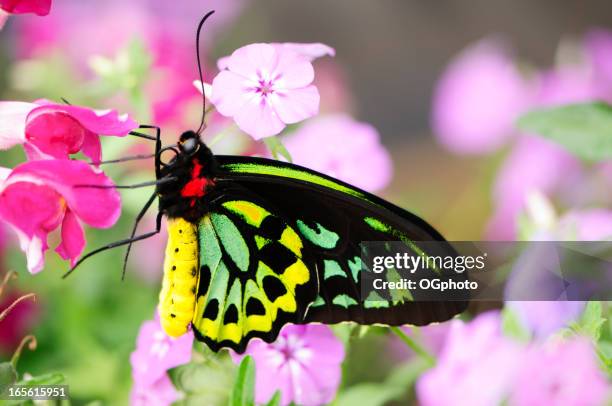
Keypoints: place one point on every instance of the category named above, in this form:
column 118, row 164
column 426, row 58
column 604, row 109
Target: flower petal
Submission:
column 251, row 59
column 73, row 238
column 33, row 210
column 55, row 134
column 92, row 147
column 12, row 123
column 292, row 71
column 310, row 51
column 258, row 119
column 107, row 122
column 229, row 93
column 39, row 7
column 296, row 105
column 95, row 206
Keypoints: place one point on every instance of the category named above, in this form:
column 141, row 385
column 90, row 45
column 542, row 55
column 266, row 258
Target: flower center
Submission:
column 265, row 87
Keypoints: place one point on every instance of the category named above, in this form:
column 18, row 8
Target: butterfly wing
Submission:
column 254, row 275
column 332, row 218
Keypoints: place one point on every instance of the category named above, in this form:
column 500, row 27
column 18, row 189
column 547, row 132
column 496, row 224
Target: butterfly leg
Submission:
column 119, row 243
column 139, row 217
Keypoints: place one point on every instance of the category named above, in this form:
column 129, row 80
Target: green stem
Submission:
column 30, row 340
column 414, row 346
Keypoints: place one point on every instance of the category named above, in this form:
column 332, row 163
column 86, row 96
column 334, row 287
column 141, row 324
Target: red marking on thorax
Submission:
column 196, row 187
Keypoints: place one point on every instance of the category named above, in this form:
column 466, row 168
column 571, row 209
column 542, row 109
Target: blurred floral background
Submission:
column 417, row 102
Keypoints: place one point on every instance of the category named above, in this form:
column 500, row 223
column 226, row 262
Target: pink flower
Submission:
column 478, row 99
column 587, row 225
column 39, row 7
column 310, row 51
column 338, row 146
column 535, row 164
column 476, row 366
column 50, row 130
column 303, row 363
column 546, row 317
column 160, row 393
column 156, row 353
column 39, row 196
column 264, row 88
column 562, row 373
column 598, row 47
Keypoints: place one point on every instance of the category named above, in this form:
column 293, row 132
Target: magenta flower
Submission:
column 476, row 366
column 264, row 88
column 160, row 393
column 561, row 373
column 598, row 47
column 39, row 7
column 338, row 146
column 156, row 353
column 303, row 363
column 50, row 130
column 478, row 99
column 39, row 196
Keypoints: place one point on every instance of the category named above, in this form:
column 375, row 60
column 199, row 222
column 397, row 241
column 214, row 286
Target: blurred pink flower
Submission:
column 561, row 373
column 264, row 88
column 432, row 338
column 546, row 317
column 341, row 147
column 566, row 84
column 38, row 7
column 156, row 353
column 303, row 363
column 50, row 130
column 159, row 393
column 39, row 196
column 535, row 164
column 587, row 225
column 476, row 366
column 478, row 99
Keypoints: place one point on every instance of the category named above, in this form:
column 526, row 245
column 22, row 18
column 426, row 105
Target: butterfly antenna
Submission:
column 198, row 32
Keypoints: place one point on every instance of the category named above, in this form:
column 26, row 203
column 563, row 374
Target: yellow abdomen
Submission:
column 181, row 273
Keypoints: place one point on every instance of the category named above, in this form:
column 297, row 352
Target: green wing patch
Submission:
column 254, row 276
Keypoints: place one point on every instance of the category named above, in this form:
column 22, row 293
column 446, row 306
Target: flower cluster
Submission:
column 481, row 366
column 480, row 97
column 50, row 190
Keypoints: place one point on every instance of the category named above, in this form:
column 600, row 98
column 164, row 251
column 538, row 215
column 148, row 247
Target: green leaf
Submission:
column 583, row 129
column 592, row 320
column 205, row 383
column 53, row 378
column 512, row 326
column 244, row 387
column 8, row 375
column 276, row 399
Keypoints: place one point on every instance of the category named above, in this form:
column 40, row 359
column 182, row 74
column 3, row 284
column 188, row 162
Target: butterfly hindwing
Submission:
column 255, row 275
column 332, row 218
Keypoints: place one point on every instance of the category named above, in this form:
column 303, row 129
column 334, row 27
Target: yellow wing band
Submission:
column 181, row 275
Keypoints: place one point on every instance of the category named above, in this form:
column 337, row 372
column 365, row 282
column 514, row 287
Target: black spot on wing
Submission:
column 273, row 287
column 212, row 310
column 204, row 279
column 254, row 307
column 272, row 228
column 277, row 257
column 231, row 315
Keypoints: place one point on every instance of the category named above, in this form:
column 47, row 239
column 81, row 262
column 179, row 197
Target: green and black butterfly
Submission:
column 256, row 243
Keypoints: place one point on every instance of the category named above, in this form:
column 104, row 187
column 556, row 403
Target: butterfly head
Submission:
column 193, row 168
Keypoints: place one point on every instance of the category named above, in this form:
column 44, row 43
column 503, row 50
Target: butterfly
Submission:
column 255, row 243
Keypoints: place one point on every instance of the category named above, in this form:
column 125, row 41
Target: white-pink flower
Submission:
column 264, row 88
